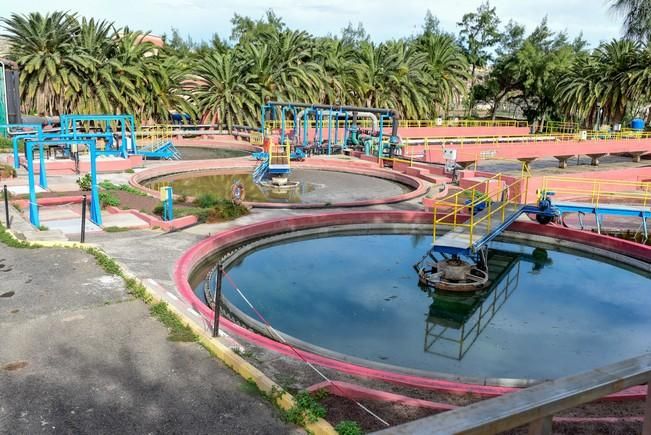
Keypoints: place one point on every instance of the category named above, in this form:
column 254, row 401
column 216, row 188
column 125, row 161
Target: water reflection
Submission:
column 220, row 185
column 455, row 320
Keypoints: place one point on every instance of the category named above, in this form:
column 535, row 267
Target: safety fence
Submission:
column 280, row 154
column 154, row 137
column 403, row 123
column 598, row 192
column 535, row 406
column 501, row 140
column 486, row 204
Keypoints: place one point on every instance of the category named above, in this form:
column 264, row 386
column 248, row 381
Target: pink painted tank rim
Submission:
column 193, row 257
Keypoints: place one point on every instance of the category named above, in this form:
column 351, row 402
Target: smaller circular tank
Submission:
column 637, row 124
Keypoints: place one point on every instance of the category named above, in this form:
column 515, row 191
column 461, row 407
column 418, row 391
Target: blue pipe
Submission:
column 380, row 146
column 346, row 132
column 282, row 125
column 42, row 176
column 320, row 127
column 33, row 206
column 95, row 213
column 329, row 130
column 337, row 128
column 305, row 127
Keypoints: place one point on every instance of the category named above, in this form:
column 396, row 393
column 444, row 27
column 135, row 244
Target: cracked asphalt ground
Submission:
column 79, row 355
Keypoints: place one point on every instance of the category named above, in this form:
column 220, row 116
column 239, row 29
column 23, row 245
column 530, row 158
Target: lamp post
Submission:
column 599, row 112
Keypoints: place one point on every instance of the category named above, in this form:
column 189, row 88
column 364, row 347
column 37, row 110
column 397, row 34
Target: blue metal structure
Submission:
column 33, row 131
column 644, row 213
column 318, row 112
column 125, row 123
column 167, row 196
column 95, row 213
column 545, row 211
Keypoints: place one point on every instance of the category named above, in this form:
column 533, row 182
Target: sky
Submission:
column 382, row 19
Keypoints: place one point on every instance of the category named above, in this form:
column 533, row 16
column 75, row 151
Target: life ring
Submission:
column 238, row 193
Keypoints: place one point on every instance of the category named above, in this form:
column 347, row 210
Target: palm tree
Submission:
column 637, row 18
column 43, row 45
column 447, row 69
column 611, row 78
column 338, row 62
column 223, row 92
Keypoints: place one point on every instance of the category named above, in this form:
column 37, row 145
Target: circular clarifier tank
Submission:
column 547, row 312
column 313, row 186
column 201, row 153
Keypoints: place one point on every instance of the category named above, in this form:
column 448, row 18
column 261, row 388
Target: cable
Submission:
column 276, row 334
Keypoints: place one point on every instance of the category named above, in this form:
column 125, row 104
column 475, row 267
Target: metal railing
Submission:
column 462, row 123
column 280, row 154
column 536, row 406
column 560, row 127
column 598, row 192
column 152, row 138
column 497, row 140
column 406, row 123
column 495, row 201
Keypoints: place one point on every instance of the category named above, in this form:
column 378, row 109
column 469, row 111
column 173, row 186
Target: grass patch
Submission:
column 306, row 410
column 10, row 241
column 105, row 262
column 115, row 229
column 107, row 185
column 207, row 208
column 107, row 198
column 84, row 182
column 178, row 331
column 347, row 427
column 7, row 171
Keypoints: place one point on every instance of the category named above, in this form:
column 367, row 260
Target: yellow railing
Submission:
column 404, row 123
column 551, row 127
column 502, row 140
column 461, row 123
column 256, row 138
column 153, row 136
column 280, row 154
column 497, row 202
column 598, row 192
column 409, row 160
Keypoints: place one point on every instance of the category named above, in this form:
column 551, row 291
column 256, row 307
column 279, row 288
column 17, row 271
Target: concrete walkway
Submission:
column 79, row 355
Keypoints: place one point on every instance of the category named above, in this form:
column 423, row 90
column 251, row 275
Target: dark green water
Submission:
column 220, row 185
column 199, row 153
column 555, row 313
column 315, row 186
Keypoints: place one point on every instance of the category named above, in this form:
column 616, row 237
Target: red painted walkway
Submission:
column 531, row 150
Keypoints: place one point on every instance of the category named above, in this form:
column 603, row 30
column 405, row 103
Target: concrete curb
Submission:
column 228, row 239
column 281, row 398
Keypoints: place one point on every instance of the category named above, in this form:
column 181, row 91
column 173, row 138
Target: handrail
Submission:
column 410, row 123
column 536, row 405
column 598, row 190
column 484, row 195
column 509, row 139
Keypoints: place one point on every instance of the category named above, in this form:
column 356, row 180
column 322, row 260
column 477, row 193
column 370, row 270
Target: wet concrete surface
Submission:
column 79, row 355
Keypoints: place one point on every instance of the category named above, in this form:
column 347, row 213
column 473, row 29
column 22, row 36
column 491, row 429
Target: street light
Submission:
column 599, row 112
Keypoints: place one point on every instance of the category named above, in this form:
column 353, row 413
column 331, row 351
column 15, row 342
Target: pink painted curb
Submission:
column 176, row 224
column 358, row 392
column 202, row 250
column 245, row 164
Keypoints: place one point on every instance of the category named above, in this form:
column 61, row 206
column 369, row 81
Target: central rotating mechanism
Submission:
column 453, row 273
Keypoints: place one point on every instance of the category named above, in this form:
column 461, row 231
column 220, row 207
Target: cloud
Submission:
column 382, row 19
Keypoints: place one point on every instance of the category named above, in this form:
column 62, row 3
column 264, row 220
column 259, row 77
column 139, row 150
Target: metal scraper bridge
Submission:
column 481, row 212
